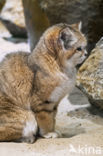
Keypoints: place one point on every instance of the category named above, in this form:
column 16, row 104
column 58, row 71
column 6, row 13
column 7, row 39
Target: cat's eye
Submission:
column 79, row 49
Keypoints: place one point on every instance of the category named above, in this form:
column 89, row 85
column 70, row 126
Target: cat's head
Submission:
column 66, row 42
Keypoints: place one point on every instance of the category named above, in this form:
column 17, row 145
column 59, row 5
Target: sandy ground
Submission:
column 81, row 124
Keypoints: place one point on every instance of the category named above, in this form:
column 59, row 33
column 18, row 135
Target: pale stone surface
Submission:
column 13, row 11
column 90, row 76
column 12, row 16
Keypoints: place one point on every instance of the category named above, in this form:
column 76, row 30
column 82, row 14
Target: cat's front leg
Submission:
column 46, row 124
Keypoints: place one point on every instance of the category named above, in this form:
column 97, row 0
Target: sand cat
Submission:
column 32, row 85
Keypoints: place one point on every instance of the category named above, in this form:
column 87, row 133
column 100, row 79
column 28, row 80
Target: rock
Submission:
column 12, row 17
column 3, row 31
column 90, row 76
column 14, row 29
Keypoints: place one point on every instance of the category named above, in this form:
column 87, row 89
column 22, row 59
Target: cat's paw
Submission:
column 52, row 135
column 29, row 140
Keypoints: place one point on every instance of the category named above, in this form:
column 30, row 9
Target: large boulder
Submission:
column 90, row 76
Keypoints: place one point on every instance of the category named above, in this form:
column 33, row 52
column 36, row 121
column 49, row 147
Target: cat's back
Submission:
column 16, row 77
column 15, row 65
column 12, row 59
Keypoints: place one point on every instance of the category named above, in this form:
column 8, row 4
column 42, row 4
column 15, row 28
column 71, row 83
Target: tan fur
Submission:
column 32, row 85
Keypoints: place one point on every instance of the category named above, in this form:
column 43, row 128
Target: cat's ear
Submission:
column 78, row 25
column 67, row 38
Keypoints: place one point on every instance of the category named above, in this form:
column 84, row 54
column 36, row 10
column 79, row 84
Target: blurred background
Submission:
column 40, row 14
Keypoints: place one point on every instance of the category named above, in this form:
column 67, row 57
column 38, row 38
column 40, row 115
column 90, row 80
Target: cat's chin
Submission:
column 80, row 62
column 82, row 59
